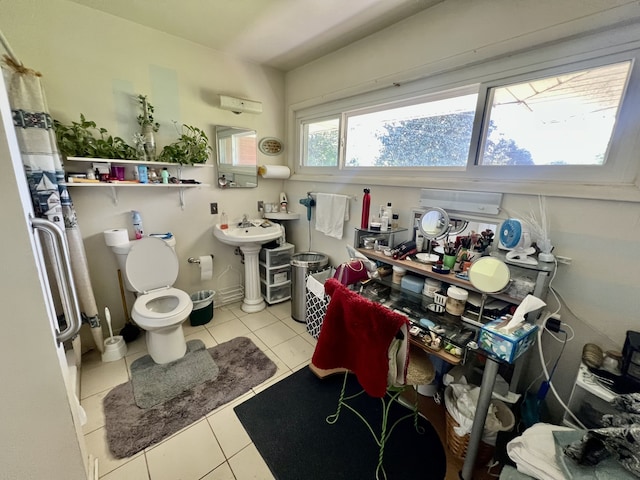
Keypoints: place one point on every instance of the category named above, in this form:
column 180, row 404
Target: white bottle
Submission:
column 384, row 222
column 389, row 212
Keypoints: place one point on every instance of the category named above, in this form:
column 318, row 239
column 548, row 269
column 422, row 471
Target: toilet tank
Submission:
column 121, row 252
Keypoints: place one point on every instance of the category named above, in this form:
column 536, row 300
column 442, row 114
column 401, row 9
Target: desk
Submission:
column 411, row 304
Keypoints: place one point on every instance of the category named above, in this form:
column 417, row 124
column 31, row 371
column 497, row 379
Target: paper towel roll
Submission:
column 274, row 171
column 206, row 267
column 116, row 236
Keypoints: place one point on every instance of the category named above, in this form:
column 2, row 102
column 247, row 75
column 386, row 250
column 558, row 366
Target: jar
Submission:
column 456, row 301
column 398, row 273
column 369, row 242
column 431, row 286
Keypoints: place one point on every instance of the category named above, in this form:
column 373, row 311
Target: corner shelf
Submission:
column 115, row 185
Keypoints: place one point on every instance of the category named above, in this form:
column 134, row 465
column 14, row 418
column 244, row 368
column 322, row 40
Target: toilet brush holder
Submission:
column 114, row 349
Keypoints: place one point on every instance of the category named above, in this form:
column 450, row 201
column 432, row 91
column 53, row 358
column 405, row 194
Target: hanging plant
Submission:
column 86, row 139
column 192, row 147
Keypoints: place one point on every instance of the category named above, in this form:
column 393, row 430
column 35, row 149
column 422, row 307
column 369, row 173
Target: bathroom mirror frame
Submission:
column 489, row 274
column 434, row 223
column 236, row 157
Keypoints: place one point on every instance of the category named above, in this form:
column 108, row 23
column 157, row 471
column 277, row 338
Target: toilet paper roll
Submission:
column 206, row 267
column 116, row 236
column 274, row 171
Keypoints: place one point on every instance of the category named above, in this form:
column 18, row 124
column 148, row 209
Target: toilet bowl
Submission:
column 151, row 268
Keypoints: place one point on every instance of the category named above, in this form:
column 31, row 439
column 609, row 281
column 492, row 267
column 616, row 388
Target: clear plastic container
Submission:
column 456, row 301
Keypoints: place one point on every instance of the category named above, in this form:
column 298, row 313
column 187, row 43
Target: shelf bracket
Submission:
column 114, row 195
column 181, row 193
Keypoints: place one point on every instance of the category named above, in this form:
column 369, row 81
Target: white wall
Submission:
column 95, row 64
column 601, row 286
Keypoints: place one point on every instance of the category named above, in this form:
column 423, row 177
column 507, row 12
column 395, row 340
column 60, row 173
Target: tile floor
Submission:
column 217, row 446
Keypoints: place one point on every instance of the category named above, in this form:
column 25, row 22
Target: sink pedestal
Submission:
column 253, row 301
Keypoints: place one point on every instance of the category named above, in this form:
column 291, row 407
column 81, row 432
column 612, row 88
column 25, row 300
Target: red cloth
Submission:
column 356, row 334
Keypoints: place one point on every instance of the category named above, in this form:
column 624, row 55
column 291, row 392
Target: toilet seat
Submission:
column 143, row 314
column 151, row 264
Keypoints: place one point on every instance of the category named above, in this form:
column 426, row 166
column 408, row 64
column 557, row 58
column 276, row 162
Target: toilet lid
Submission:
column 151, row 264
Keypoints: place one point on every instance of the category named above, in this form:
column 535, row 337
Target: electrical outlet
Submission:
column 260, row 205
column 214, row 208
column 563, row 260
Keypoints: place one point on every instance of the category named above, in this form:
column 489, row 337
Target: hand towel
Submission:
column 356, row 334
column 331, row 212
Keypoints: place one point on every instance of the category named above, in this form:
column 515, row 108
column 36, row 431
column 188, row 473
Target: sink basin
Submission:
column 239, row 236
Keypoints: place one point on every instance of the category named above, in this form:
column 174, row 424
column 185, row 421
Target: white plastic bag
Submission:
column 461, row 401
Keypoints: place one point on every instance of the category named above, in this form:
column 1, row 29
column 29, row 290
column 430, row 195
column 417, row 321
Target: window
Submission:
column 431, row 133
column 565, row 119
column 321, row 139
column 556, row 120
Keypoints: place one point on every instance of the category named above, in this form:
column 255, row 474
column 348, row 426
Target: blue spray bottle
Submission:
column 137, row 224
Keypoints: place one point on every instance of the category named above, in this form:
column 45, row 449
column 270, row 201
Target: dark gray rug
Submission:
column 130, row 428
column 287, row 424
column 154, row 384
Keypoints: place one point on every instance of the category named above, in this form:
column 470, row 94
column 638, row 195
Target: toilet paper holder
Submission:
column 197, row 260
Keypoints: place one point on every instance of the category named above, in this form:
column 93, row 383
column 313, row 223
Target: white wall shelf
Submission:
column 114, row 185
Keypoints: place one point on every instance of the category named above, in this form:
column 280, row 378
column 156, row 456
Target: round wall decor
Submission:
column 270, row 146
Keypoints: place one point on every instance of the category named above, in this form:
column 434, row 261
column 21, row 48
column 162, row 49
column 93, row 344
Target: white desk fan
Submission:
column 516, row 237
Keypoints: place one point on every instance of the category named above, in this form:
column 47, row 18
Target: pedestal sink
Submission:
column 250, row 240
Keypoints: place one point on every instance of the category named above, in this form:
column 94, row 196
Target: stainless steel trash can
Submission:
column 302, row 264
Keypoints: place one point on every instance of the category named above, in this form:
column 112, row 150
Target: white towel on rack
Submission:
column 331, row 212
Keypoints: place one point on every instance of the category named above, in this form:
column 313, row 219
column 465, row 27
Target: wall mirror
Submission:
column 236, row 157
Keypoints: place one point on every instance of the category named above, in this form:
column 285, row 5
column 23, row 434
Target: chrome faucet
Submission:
column 245, row 223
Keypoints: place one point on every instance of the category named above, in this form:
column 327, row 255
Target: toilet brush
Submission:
column 114, row 347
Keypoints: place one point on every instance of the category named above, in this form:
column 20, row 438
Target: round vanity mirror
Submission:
column 489, row 274
column 434, row 223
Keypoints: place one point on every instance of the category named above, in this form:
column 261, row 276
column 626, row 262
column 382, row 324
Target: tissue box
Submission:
column 506, row 346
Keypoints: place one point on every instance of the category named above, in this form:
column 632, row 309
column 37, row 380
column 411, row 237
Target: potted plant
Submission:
column 149, row 126
column 192, row 147
column 86, row 139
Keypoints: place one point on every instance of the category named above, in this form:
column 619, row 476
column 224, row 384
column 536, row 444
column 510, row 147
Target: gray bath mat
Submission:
column 154, row 384
column 130, row 428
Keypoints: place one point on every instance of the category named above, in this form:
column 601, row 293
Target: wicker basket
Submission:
column 457, row 445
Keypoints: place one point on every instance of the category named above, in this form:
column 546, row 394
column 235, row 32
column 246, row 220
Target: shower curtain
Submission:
column 45, row 176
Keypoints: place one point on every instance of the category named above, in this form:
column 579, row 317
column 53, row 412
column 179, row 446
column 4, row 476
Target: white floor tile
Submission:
column 223, row 472
column 258, row 320
column 96, row 442
column 275, row 334
column 136, row 469
column 220, row 315
column 204, row 336
column 298, row 327
column 188, row 329
column 249, row 465
column 281, row 310
column 95, row 413
column 230, row 433
column 138, row 345
column 102, row 377
column 280, row 365
column 294, row 351
column 229, row 330
column 189, row 455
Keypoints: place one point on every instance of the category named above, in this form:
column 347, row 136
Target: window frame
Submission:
column 620, row 181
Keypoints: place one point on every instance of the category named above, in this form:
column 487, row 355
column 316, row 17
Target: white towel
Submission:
column 331, row 213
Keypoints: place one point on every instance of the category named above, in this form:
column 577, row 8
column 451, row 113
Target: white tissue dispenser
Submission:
column 506, row 346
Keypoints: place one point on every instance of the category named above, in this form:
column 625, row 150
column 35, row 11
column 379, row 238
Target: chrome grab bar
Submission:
column 64, row 274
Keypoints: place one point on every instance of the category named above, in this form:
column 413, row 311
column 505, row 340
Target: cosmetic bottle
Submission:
column 224, row 222
column 137, row 224
column 165, row 175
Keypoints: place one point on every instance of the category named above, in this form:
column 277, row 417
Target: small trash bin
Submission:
column 303, row 264
column 202, row 307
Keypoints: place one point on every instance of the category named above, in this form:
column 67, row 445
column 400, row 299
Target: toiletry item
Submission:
column 143, row 174
column 366, row 205
column 384, row 222
column 283, row 202
column 165, row 175
column 137, row 224
column 456, row 301
column 394, row 221
column 224, row 221
column 389, row 212
column 419, row 242
column 90, row 174
column 398, row 273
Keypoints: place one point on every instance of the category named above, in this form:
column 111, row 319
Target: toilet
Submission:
column 150, row 269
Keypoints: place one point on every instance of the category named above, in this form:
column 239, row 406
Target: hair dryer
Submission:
column 308, row 202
